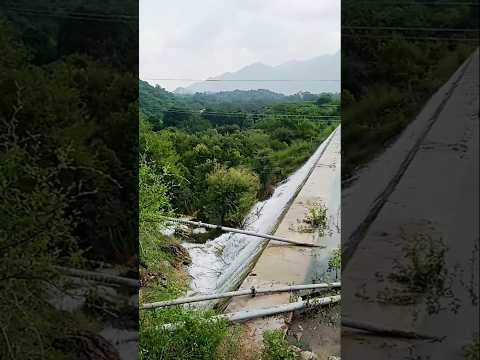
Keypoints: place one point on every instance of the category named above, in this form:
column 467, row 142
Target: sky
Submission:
column 197, row 39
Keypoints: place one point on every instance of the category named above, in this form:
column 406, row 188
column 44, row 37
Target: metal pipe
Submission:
column 99, row 277
column 278, row 309
column 245, row 232
column 256, row 313
column 252, row 291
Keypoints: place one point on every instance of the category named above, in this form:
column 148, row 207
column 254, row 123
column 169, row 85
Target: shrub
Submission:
column 276, row 347
column 196, row 337
column 335, row 261
column 230, row 195
column 317, row 219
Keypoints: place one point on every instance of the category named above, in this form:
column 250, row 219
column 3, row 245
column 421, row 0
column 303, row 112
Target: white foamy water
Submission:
column 219, row 264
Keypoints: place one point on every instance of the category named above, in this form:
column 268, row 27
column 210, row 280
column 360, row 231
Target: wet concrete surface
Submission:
column 435, row 202
column 282, row 264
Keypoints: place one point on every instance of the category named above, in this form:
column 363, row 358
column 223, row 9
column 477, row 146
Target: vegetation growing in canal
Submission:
column 425, row 271
column 316, row 220
column 335, row 261
column 276, row 347
column 422, row 273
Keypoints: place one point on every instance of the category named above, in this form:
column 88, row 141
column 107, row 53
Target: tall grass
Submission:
column 276, row 347
column 196, row 337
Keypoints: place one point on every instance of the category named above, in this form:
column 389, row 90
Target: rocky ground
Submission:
column 317, row 331
column 102, row 315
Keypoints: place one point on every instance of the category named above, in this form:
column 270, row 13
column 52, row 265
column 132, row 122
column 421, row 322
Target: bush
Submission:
column 276, row 347
column 197, row 336
column 35, row 237
column 335, row 261
column 317, row 219
column 230, row 195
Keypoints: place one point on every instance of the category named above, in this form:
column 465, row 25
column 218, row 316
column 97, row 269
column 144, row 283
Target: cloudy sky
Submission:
column 198, row 39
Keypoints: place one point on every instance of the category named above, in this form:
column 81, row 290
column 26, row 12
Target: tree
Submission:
column 153, row 199
column 35, row 236
column 324, row 99
column 264, row 167
column 230, row 194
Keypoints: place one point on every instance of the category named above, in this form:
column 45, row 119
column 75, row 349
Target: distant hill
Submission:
column 326, row 67
column 155, row 101
column 155, row 98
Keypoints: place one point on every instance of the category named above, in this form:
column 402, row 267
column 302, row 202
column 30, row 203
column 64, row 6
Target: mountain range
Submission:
column 287, row 78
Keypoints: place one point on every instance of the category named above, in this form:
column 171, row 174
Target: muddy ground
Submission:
column 317, row 330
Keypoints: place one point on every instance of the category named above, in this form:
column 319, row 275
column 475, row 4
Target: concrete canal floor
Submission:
column 434, row 204
column 283, row 264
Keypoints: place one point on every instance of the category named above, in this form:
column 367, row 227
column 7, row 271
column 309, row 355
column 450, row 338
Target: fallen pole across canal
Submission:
column 239, row 231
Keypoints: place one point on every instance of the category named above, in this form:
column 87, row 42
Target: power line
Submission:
column 238, row 114
column 424, row 3
column 394, row 37
column 208, row 112
column 72, row 12
column 358, row 27
column 93, row 19
column 312, row 118
column 242, row 80
column 75, row 15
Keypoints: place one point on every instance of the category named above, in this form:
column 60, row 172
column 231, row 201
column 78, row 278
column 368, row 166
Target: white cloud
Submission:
column 199, row 39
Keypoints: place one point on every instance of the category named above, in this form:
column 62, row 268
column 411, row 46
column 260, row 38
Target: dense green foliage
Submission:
column 65, row 185
column 387, row 76
column 35, row 236
column 230, row 194
column 203, row 156
column 159, row 271
column 196, row 337
column 65, row 107
column 164, row 109
column 335, row 261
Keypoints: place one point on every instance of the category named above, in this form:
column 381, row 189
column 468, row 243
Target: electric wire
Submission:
column 240, row 80
column 244, row 114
